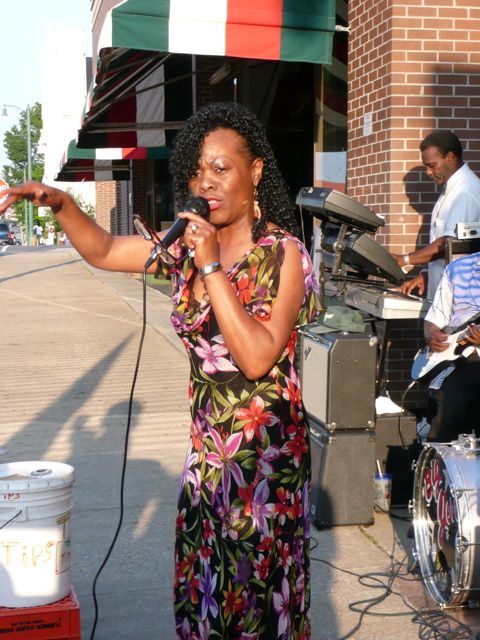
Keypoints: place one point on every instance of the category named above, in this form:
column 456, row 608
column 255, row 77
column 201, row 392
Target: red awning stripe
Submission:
column 292, row 30
column 126, row 96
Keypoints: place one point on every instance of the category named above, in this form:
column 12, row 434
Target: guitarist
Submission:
column 459, row 201
column 455, row 392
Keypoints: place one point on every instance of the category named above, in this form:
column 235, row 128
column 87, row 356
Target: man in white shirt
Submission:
column 37, row 232
column 458, row 202
column 455, row 391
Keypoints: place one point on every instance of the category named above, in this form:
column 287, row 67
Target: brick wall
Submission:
column 105, row 204
column 404, row 339
column 204, row 92
column 413, row 68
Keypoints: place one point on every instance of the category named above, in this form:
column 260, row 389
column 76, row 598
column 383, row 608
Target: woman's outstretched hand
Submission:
column 39, row 194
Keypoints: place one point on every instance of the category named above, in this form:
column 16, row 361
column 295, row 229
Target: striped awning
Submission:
column 88, row 165
column 127, row 106
column 290, row 30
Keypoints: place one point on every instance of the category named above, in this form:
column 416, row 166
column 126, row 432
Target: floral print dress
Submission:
column 242, row 530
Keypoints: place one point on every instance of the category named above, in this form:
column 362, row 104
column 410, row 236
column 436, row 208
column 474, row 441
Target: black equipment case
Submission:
column 396, row 449
column 343, row 467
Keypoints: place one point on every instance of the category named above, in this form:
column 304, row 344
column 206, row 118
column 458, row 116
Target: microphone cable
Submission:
column 201, row 207
column 125, row 454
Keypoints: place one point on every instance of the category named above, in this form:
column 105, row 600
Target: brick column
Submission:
column 413, row 68
column 106, row 205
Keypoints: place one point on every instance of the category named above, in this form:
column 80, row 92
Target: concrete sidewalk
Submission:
column 70, row 338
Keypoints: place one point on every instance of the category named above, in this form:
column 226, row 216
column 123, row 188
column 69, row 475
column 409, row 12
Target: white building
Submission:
column 65, row 78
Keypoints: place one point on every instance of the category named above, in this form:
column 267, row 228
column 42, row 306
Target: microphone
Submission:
column 196, row 205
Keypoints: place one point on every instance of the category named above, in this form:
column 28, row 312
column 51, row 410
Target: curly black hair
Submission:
column 272, row 196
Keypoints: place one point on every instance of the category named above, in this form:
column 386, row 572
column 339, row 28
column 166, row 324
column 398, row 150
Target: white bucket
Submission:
column 35, row 503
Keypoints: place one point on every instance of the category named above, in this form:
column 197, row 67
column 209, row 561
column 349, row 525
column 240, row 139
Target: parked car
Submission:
column 6, row 237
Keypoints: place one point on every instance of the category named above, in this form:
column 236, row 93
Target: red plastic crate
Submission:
column 56, row 621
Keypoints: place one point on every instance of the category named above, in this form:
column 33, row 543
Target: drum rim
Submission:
column 449, row 596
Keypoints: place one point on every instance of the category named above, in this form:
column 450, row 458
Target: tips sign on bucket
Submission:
column 35, row 504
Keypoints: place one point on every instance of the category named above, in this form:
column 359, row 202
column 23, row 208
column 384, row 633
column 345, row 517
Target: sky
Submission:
column 21, row 44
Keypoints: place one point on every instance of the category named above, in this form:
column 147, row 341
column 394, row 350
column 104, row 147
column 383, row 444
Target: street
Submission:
column 70, row 339
column 71, row 348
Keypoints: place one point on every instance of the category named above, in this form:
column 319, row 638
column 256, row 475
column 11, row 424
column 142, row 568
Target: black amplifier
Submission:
column 338, row 378
column 343, row 468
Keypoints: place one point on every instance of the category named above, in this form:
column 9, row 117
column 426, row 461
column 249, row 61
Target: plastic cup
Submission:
column 382, row 491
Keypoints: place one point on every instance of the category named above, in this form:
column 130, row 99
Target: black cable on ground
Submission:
column 434, row 625
column 398, row 517
column 125, row 456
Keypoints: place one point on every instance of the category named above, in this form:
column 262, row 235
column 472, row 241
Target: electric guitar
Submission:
column 426, row 359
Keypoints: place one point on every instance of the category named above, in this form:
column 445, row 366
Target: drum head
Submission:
column 436, row 526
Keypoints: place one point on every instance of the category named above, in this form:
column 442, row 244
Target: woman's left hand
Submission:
column 200, row 236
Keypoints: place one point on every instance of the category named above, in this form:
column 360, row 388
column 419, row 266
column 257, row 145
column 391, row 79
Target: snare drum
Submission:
column 446, row 520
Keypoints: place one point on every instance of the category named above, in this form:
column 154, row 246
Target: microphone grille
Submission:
column 199, row 206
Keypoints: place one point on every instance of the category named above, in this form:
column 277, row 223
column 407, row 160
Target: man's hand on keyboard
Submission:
column 419, row 282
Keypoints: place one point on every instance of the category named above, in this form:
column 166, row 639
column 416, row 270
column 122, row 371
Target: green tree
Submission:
column 89, row 209
column 86, row 207
column 16, row 146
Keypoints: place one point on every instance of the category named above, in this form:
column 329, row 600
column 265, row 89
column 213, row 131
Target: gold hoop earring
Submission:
column 257, row 212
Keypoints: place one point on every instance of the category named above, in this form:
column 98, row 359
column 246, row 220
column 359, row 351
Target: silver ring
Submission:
column 194, row 227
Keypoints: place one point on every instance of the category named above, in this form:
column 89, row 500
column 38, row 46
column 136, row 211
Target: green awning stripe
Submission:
column 303, row 28
column 309, row 46
column 145, row 32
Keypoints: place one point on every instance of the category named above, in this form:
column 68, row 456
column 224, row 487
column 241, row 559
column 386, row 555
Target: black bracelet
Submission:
column 209, row 268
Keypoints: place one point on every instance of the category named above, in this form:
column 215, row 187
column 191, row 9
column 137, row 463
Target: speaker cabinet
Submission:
column 343, row 468
column 337, row 377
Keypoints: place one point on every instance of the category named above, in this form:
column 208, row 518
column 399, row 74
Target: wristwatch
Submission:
column 209, row 268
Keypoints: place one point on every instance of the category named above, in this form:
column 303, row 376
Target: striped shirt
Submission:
column 457, row 298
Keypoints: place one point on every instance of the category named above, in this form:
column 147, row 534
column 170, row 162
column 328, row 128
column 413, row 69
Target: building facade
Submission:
column 414, row 67
column 399, row 70
column 64, row 64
